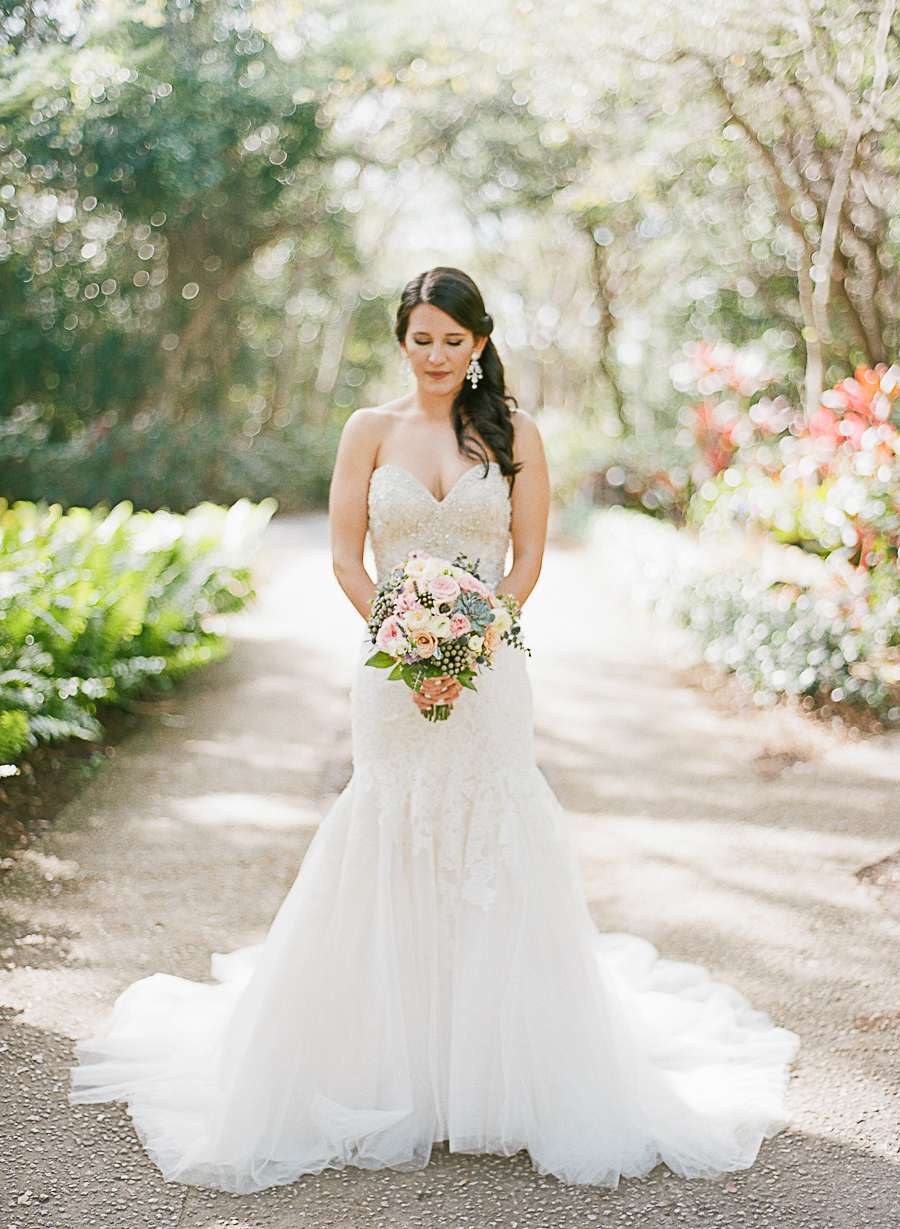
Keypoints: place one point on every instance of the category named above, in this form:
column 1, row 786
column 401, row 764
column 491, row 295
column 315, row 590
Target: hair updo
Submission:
column 481, row 416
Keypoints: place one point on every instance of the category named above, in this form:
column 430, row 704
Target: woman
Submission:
column 434, row 973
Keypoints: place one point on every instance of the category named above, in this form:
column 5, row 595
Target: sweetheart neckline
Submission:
column 420, row 483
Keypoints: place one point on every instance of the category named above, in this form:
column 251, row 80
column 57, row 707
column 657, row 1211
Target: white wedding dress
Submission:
column 434, row 973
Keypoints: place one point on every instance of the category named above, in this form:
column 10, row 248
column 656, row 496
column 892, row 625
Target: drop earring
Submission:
column 405, row 367
column 473, row 371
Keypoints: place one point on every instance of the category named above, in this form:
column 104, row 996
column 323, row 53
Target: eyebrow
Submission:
column 427, row 333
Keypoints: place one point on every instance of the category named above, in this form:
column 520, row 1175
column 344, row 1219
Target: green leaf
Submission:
column 381, row 660
column 13, row 734
column 94, row 607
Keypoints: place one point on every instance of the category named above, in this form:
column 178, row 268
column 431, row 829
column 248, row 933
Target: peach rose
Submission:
column 493, row 638
column 424, row 644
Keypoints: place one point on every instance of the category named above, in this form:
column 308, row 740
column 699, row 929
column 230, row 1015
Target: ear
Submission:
column 480, row 343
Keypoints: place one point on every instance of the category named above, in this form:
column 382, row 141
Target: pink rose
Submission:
column 459, row 625
column 472, row 585
column 406, row 602
column 391, row 638
column 444, row 589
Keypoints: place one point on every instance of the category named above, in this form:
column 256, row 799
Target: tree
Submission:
column 146, row 172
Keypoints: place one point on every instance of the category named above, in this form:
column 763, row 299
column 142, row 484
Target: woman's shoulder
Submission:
column 525, row 428
column 371, row 424
column 520, row 417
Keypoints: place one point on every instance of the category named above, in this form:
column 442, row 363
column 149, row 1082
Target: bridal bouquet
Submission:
column 432, row 618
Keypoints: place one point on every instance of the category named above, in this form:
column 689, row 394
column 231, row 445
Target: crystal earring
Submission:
column 405, row 367
column 473, row 371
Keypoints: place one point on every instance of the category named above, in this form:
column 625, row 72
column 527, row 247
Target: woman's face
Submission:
column 439, row 350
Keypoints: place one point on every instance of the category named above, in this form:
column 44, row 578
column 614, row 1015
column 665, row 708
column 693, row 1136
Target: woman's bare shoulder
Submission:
column 526, row 430
column 374, row 421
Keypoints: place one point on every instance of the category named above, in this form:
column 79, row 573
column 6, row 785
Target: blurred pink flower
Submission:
column 459, row 625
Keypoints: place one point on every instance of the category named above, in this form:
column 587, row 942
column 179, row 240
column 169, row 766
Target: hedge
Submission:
column 97, row 605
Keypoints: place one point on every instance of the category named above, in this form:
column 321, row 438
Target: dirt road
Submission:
column 732, row 841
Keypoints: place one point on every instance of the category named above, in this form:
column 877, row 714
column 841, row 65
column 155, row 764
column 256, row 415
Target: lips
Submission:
column 437, row 375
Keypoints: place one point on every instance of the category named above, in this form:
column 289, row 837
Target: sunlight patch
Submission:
column 247, row 810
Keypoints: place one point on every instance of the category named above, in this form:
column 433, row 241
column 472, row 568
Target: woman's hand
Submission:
column 437, row 691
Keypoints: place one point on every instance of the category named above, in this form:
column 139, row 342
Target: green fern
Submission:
column 13, row 734
column 96, row 605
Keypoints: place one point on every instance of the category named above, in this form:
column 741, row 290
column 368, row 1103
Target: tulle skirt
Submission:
column 434, row 974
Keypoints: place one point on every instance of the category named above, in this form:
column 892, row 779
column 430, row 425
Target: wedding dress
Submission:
column 434, row 973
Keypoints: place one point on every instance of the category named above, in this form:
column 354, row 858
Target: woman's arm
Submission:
column 348, row 506
column 530, row 508
column 349, row 510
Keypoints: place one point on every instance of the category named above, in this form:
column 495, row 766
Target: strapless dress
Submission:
column 434, row 973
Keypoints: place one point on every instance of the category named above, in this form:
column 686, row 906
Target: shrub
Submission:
column 787, row 623
column 96, row 604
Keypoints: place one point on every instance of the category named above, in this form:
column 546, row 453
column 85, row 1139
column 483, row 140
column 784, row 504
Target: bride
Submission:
column 434, row 974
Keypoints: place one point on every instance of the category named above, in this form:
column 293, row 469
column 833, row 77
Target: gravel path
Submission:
column 729, row 839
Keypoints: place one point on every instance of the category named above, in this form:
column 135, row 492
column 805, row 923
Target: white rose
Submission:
column 416, row 567
column 502, row 620
column 440, row 625
column 476, row 644
column 432, row 568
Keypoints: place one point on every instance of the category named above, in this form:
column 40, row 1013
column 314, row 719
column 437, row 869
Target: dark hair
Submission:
column 480, row 415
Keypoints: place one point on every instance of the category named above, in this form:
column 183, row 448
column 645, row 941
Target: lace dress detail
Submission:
column 434, row 974
column 472, row 519
column 468, row 826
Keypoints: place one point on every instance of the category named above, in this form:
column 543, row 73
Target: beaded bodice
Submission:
column 472, row 519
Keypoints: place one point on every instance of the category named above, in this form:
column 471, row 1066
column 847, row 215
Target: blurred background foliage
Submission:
column 209, row 206
column 99, row 606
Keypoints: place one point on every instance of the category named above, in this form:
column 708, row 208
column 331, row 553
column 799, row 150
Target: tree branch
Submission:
column 811, row 335
column 856, row 129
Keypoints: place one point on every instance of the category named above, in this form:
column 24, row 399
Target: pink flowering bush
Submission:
column 828, row 482
column 757, row 469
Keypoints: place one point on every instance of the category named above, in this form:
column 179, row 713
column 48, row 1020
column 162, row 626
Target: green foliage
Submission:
column 783, row 640
column 13, row 734
column 786, row 623
column 95, row 605
column 163, row 294
column 209, row 205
